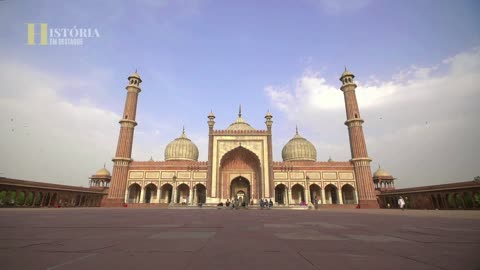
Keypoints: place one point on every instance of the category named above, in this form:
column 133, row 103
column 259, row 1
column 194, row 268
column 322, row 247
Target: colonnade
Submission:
column 34, row 197
column 330, row 194
column 185, row 194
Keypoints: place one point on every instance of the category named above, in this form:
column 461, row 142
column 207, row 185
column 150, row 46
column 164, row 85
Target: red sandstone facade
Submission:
column 240, row 165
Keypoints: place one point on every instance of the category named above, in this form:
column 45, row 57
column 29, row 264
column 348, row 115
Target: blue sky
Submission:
column 282, row 56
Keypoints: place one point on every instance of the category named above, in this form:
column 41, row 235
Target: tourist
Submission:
column 227, row 203
column 401, row 203
column 270, row 204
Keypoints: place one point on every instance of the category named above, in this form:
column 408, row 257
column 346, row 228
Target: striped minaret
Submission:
column 116, row 193
column 360, row 159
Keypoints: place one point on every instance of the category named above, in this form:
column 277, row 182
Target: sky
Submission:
column 416, row 65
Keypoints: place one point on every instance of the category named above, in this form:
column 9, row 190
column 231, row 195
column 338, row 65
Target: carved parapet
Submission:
column 120, row 161
column 133, row 88
column 363, row 161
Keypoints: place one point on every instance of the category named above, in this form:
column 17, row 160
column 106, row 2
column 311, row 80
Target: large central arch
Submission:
column 240, row 189
column 240, row 163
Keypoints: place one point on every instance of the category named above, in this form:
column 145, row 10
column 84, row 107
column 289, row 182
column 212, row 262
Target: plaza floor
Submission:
column 102, row 238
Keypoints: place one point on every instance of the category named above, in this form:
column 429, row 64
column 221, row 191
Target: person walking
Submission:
column 401, row 203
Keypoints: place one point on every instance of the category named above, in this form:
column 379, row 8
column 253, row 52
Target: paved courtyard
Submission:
column 101, row 238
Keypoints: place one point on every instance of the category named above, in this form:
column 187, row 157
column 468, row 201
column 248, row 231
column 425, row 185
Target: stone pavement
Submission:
column 102, row 238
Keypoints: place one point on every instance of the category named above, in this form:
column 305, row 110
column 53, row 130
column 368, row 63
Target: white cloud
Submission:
column 420, row 125
column 45, row 137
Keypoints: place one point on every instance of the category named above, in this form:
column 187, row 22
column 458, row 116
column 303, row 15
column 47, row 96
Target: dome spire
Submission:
column 240, row 111
column 296, row 129
column 183, row 132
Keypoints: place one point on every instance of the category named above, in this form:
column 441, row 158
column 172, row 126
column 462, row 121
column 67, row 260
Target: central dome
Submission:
column 240, row 124
column 299, row 149
column 182, row 148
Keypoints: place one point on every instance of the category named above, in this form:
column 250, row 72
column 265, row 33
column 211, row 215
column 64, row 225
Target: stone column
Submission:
column 290, row 200
column 340, row 196
column 356, row 196
column 127, row 195
column 322, row 191
column 190, row 196
column 142, row 195
column 174, row 194
column 194, row 197
column 159, row 194
column 307, row 196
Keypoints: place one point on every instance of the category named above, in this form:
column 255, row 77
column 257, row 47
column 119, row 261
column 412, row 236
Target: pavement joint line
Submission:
column 305, row 258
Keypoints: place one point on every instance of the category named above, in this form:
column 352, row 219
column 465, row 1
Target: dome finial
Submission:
column 240, row 111
column 151, row 158
column 296, row 129
column 104, row 164
column 183, row 132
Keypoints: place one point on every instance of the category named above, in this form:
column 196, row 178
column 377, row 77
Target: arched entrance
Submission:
column 331, row 194
column 166, row 193
column 315, row 192
column 281, row 194
column 348, row 194
column 240, row 163
column 150, row 193
column 200, row 193
column 183, row 193
column 298, row 194
column 134, row 193
column 240, row 189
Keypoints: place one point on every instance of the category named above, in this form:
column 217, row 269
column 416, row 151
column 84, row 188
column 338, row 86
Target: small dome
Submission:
column 182, row 148
column 346, row 73
column 240, row 124
column 381, row 173
column 103, row 172
column 299, row 148
column 135, row 75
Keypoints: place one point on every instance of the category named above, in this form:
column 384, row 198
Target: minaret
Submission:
column 116, row 194
column 360, row 159
column 269, row 122
column 211, row 123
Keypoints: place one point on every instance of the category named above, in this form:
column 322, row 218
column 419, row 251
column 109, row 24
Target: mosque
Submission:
column 240, row 165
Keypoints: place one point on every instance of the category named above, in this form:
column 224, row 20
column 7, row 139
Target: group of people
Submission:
column 264, row 203
column 235, row 203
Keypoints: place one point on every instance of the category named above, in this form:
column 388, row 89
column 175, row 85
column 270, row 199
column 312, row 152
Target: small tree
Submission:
column 476, row 178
